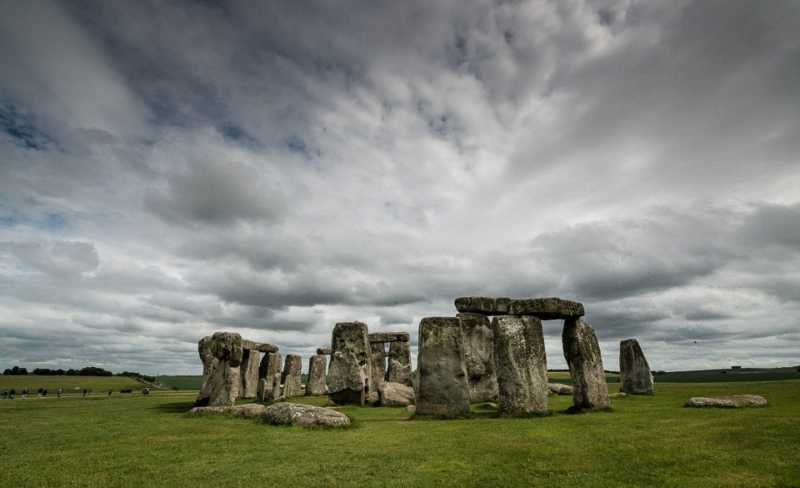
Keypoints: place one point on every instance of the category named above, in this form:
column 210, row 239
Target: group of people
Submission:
column 12, row 393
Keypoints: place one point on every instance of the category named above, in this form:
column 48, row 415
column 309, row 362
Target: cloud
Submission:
column 275, row 168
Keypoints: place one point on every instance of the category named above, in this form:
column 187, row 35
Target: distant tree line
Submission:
column 87, row 371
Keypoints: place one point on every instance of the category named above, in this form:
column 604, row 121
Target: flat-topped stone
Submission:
column 304, row 415
column 388, row 337
column 546, row 308
column 543, row 308
column 483, row 305
column 728, row 401
column 258, row 346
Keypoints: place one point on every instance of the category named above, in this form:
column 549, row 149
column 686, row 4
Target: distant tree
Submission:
column 48, row 372
column 94, row 371
column 16, row 370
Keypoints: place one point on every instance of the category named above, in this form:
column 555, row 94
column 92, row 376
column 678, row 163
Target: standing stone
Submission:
column 582, row 352
column 350, row 369
column 292, row 381
column 377, row 357
column 442, row 388
column 276, row 387
column 315, row 384
column 204, row 348
column 222, row 381
column 521, row 364
column 249, row 373
column 264, row 390
column 479, row 357
column 634, row 372
column 399, row 370
column 270, row 364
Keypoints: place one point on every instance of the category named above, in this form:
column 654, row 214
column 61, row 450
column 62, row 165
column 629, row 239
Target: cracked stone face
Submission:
column 521, row 364
column 634, row 372
column 582, row 352
column 442, row 385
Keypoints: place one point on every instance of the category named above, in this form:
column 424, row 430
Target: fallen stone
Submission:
column 729, row 401
column 325, row 351
column 442, row 389
column 559, row 389
column 399, row 363
column 222, row 381
column 349, row 369
column 546, row 308
column 315, row 384
column 248, row 410
column 479, row 357
column 249, row 373
column 634, row 372
column 304, row 416
column 582, row 352
column 619, row 394
column 291, row 377
column 521, row 365
column 411, row 409
column 396, row 395
column 483, row 305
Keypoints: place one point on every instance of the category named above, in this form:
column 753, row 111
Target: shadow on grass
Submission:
column 173, row 407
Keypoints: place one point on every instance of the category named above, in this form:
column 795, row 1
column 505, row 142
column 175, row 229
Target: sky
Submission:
column 170, row 169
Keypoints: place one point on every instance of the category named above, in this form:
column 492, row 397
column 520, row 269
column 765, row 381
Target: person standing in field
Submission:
column 59, row 391
column 109, row 392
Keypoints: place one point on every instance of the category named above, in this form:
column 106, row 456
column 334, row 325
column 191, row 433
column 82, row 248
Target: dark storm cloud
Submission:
column 178, row 168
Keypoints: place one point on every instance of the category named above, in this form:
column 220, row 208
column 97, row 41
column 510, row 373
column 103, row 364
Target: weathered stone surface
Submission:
column 730, row 401
column 222, row 381
column 350, row 368
column 521, row 364
column 304, row 415
column 258, row 346
column 559, row 389
column 546, row 308
column 479, row 357
column 326, row 351
column 396, row 394
column 582, row 352
column 204, row 348
column 315, row 383
column 276, row 387
column 291, row 377
column 249, row 373
column 377, row 358
column 270, row 364
column 483, row 305
column 264, row 392
column 399, row 368
column 388, row 337
column 634, row 372
column 249, row 410
column 442, row 388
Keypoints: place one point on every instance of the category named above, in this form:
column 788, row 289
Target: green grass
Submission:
column 642, row 442
column 182, row 382
column 68, row 383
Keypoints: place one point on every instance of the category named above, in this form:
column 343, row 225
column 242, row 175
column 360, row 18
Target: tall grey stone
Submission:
column 315, row 383
column 377, row 357
column 582, row 352
column 442, row 388
column 350, row 367
column 271, row 363
column 204, row 348
column 399, row 367
column 276, row 387
column 222, row 381
column 264, row 392
column 291, row 377
column 634, row 372
column 521, row 364
column 479, row 357
column 249, row 373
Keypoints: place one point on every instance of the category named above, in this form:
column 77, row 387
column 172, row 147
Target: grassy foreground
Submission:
column 70, row 384
column 643, row 441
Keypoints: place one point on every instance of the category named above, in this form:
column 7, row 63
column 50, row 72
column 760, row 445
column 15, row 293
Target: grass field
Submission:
column 642, row 442
column 182, row 382
column 68, row 383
